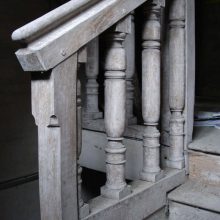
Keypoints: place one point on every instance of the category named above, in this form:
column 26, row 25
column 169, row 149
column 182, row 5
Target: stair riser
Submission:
column 204, row 168
column 184, row 212
column 93, row 147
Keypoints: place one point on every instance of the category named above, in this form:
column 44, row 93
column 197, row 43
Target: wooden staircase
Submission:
column 199, row 197
column 142, row 160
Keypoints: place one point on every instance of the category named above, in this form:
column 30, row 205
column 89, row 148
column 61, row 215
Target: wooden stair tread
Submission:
column 206, row 139
column 196, row 194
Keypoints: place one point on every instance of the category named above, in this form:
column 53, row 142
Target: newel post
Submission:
column 151, row 59
column 115, row 112
column 55, row 112
column 176, row 83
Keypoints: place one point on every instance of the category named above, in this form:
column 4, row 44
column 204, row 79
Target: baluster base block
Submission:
column 84, row 210
column 180, row 164
column 152, row 177
column 116, row 193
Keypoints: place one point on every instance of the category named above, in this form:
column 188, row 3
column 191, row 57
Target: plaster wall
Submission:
column 18, row 139
column 207, row 48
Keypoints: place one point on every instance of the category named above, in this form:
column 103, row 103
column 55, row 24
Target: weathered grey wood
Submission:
column 123, row 26
column 130, row 71
column 206, row 139
column 165, row 108
column 79, row 140
column 55, row 46
column 91, row 108
column 131, row 131
column 146, row 198
column 82, row 55
column 115, row 101
column 160, row 3
column 194, row 200
column 159, row 215
column 94, row 148
column 83, row 207
column 190, row 77
column 151, row 92
column 177, row 83
column 54, row 110
column 190, row 70
column 185, row 212
column 51, row 20
column 197, row 194
column 204, row 167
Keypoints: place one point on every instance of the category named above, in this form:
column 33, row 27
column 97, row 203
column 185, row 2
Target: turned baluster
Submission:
column 151, row 59
column 115, row 101
column 176, row 83
column 84, row 207
column 91, row 110
column 130, row 71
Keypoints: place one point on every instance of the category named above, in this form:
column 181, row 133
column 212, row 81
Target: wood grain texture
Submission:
column 190, row 70
column 51, row 20
column 55, row 46
column 130, row 71
column 94, row 148
column 183, row 212
column 206, row 139
column 146, row 198
column 197, row 194
column 177, row 83
column 204, row 168
column 54, row 109
column 91, row 108
column 83, row 207
column 151, row 59
column 115, row 103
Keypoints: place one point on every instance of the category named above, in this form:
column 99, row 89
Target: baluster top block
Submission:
column 160, row 3
column 57, row 35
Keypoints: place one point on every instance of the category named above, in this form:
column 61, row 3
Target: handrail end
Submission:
column 30, row 61
column 15, row 35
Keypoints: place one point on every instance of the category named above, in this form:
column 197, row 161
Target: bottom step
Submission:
column 184, row 212
column 144, row 202
column 194, row 200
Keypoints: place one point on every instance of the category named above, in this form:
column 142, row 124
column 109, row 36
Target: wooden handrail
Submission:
column 51, row 47
column 51, row 20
